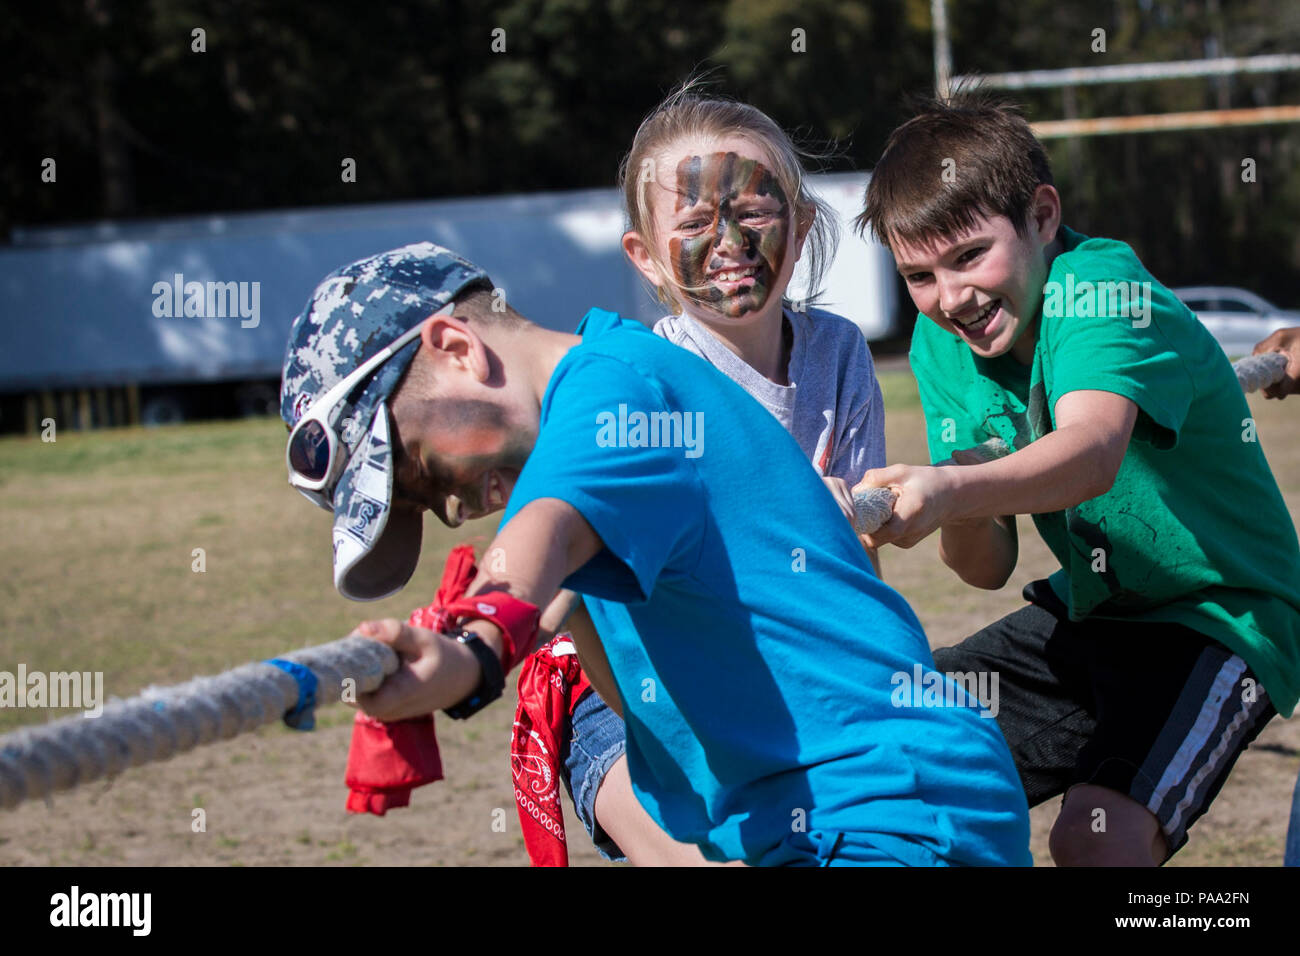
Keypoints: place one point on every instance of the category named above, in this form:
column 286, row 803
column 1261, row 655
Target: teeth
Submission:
column 452, row 510
column 736, row 274
column 983, row 314
column 496, row 497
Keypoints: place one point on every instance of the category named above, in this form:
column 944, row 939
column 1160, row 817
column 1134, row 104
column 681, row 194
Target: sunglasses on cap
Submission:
column 314, row 451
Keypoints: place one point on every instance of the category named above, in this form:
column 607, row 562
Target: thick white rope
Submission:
column 872, row 507
column 1256, row 371
column 161, row 722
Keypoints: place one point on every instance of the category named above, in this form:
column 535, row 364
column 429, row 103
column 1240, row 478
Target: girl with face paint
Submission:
column 718, row 218
column 719, row 241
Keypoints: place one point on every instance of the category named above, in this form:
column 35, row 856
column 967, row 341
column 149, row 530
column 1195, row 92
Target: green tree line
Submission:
column 439, row 98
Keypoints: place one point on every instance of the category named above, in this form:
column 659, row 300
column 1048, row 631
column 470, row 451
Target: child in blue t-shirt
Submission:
column 752, row 649
column 780, row 701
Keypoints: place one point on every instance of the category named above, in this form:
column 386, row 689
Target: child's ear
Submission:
column 1045, row 212
column 638, row 254
column 453, row 342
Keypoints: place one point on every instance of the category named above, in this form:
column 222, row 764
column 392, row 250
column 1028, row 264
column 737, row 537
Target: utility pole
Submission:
column 942, row 50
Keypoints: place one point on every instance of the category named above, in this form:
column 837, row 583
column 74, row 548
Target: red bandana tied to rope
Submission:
column 550, row 684
column 387, row 760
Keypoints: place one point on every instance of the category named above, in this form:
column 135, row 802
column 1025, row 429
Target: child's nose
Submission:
column 952, row 294
column 729, row 239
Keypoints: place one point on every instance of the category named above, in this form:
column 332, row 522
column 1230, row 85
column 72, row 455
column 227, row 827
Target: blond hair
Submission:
column 688, row 114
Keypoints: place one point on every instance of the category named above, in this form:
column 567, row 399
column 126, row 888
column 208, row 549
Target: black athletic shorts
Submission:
column 1157, row 711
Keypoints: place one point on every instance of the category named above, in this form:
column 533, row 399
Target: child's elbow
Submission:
column 1102, row 478
column 986, row 578
column 980, row 573
column 1106, row 456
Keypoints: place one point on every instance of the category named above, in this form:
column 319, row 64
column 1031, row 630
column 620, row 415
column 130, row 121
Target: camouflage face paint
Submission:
column 731, row 218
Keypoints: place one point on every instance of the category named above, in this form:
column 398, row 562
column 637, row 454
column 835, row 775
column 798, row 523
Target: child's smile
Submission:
column 985, row 321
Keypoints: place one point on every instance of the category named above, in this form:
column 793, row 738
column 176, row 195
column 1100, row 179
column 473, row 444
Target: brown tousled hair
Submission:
column 996, row 163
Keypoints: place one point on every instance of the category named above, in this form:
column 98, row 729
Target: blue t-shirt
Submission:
column 770, row 682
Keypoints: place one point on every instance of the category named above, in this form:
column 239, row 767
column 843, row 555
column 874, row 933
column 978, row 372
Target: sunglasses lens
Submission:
column 309, row 451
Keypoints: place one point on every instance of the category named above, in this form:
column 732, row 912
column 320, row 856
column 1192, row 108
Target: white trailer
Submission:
column 109, row 306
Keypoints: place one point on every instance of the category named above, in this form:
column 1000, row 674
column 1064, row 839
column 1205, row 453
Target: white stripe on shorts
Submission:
column 1209, row 723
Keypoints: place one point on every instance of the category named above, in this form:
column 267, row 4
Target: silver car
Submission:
column 1236, row 318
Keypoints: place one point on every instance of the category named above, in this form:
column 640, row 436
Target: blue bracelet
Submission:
column 302, row 716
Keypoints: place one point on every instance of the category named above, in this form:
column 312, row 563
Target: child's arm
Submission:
column 1076, row 462
column 544, row 543
column 859, row 442
column 567, row 612
column 983, row 551
column 591, row 655
column 554, row 616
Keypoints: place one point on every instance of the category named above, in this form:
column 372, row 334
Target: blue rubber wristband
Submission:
column 302, row 716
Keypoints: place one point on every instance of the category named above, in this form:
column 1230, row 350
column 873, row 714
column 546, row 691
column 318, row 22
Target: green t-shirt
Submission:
column 1194, row 529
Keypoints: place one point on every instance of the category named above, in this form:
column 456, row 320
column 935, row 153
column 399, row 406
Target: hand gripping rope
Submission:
column 1257, row 371
column 872, row 507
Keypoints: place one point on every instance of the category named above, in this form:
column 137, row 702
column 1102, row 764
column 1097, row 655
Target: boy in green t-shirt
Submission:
column 1171, row 634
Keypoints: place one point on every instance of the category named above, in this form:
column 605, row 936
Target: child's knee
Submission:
column 1102, row 827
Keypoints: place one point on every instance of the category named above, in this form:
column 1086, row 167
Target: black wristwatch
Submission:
column 489, row 688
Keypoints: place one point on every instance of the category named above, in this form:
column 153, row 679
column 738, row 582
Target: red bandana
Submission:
column 550, row 685
column 387, row 760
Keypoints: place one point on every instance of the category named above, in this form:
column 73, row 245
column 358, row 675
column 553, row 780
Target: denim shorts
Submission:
column 599, row 739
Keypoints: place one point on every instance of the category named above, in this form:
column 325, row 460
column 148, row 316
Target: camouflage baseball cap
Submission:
column 355, row 313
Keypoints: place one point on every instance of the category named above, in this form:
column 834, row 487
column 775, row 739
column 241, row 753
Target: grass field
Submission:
column 97, row 575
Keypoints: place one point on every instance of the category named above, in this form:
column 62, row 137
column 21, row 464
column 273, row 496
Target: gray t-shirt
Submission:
column 832, row 406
